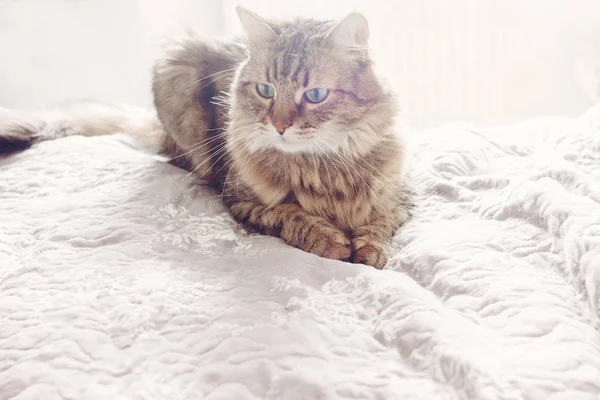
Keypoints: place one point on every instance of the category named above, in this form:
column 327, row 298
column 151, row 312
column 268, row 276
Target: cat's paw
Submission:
column 369, row 253
column 329, row 243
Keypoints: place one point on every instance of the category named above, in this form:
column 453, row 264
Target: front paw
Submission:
column 329, row 243
column 369, row 253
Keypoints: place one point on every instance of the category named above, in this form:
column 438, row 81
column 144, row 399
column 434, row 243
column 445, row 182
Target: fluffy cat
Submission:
column 291, row 125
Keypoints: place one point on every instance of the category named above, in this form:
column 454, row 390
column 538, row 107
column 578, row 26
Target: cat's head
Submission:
column 308, row 87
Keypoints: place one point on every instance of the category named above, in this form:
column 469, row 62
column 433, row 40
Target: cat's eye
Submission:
column 316, row 95
column 265, row 91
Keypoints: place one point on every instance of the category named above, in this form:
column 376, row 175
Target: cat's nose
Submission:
column 281, row 126
column 283, row 119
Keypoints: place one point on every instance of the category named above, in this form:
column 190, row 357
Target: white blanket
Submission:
column 120, row 281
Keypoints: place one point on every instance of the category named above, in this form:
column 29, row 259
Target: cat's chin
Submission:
column 284, row 145
column 289, row 143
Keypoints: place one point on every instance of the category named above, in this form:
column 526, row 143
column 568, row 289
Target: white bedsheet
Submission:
column 118, row 282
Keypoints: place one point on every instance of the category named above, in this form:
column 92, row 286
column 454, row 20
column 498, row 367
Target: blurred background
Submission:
column 479, row 61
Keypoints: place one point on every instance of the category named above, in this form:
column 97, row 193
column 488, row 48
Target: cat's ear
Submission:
column 351, row 32
column 256, row 28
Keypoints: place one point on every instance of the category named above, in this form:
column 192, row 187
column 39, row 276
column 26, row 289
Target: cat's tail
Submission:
column 20, row 130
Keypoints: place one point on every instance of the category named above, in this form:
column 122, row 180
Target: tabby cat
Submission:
column 291, row 125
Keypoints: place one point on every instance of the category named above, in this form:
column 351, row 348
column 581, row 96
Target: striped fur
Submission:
column 332, row 183
column 340, row 192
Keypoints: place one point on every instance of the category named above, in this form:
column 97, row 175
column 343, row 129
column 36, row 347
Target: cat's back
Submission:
column 194, row 70
column 190, row 87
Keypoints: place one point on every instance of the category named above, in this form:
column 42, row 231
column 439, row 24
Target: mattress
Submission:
column 123, row 278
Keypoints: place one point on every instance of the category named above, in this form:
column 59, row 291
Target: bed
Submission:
column 121, row 278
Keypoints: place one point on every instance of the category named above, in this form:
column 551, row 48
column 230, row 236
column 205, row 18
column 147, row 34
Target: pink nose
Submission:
column 281, row 126
column 283, row 118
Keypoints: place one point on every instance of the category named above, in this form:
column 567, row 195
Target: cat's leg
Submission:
column 296, row 227
column 371, row 242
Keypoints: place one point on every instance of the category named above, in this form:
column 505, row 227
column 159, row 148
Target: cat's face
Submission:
column 307, row 87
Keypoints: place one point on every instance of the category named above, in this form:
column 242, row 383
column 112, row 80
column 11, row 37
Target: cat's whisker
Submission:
column 216, row 73
column 363, row 159
column 219, row 104
column 193, row 150
column 354, row 47
column 382, row 185
column 311, row 156
column 201, row 145
column 208, row 141
column 219, row 150
column 212, row 129
column 228, row 164
column 245, row 162
column 217, row 78
column 348, row 162
column 349, row 174
column 321, row 153
column 222, row 149
column 352, row 162
column 226, row 152
column 208, row 138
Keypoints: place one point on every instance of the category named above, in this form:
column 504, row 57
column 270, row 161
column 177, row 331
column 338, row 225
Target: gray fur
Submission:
column 331, row 182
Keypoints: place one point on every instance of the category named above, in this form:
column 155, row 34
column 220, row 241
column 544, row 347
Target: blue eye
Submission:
column 316, row 95
column 265, row 91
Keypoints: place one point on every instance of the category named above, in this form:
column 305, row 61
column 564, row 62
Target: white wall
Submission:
column 57, row 50
column 484, row 61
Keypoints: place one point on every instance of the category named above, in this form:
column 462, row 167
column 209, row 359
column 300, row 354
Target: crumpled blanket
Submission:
column 121, row 278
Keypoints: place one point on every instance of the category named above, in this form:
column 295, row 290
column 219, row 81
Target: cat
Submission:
column 290, row 124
